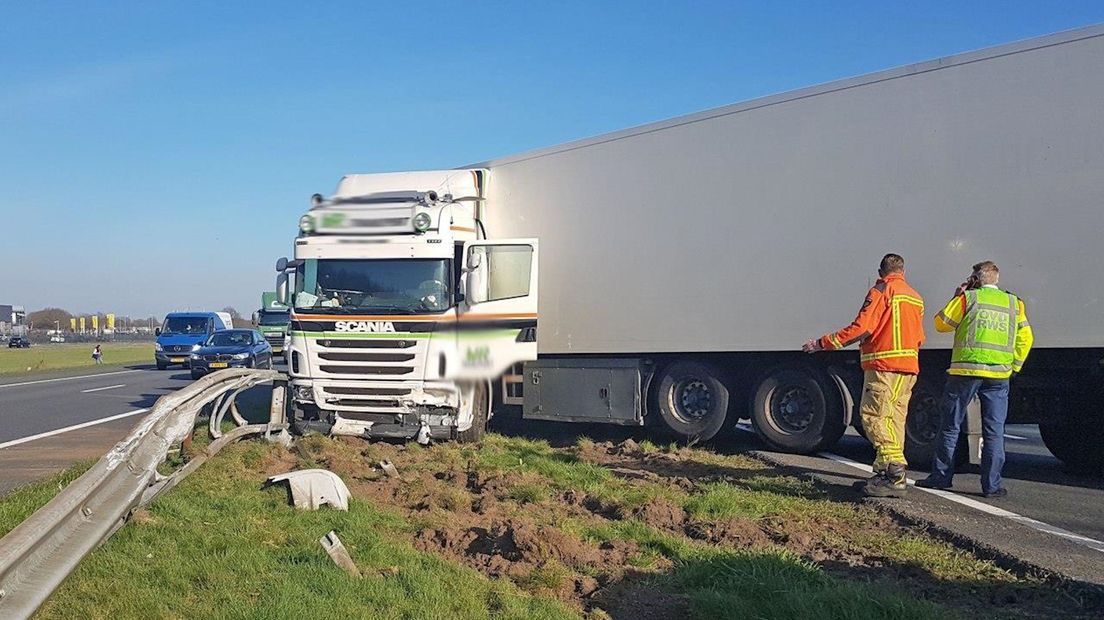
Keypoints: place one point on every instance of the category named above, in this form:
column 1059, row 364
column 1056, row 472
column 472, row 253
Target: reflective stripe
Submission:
column 1022, row 324
column 866, row 357
column 835, row 341
column 895, row 311
column 971, row 366
column 946, row 319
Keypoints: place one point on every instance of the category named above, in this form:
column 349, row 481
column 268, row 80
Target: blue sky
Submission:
column 157, row 155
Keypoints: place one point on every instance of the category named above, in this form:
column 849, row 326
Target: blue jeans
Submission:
column 957, row 394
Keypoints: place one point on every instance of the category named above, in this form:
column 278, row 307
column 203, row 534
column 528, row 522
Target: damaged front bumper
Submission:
column 383, row 409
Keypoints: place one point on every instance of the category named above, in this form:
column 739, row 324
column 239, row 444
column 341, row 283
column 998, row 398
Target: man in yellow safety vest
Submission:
column 991, row 343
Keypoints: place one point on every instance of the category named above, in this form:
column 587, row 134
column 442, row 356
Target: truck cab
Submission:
column 272, row 320
column 183, row 332
column 402, row 312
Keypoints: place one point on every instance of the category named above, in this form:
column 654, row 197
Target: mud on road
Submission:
column 632, row 530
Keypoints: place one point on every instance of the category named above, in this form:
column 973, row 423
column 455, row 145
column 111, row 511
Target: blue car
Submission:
column 183, row 333
column 231, row 348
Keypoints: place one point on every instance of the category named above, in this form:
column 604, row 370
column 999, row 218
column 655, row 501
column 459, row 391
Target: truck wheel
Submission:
column 478, row 426
column 797, row 409
column 692, row 401
column 1076, row 441
column 922, row 424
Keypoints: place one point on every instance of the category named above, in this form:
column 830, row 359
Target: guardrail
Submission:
column 41, row 552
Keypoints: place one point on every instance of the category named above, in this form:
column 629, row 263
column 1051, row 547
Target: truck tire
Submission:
column 691, row 400
column 797, row 409
column 1076, row 441
column 478, row 426
column 922, row 424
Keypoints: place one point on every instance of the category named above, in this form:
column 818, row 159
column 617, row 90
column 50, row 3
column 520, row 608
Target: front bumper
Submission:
column 391, row 409
column 173, row 357
column 205, row 366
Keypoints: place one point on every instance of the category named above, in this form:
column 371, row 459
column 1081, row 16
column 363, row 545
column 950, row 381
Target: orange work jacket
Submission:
column 890, row 328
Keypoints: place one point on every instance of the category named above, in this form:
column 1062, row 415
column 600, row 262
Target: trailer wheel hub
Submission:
column 793, row 409
column 695, row 399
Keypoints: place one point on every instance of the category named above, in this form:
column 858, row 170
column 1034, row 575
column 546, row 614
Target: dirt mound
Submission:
column 740, row 533
column 661, row 514
column 515, row 548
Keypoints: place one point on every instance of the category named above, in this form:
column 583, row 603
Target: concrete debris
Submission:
column 339, row 554
column 389, row 469
column 314, row 488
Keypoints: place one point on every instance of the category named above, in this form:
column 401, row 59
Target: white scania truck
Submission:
column 686, row 261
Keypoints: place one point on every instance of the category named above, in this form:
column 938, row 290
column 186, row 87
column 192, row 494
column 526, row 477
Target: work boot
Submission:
column 890, row 483
column 931, row 482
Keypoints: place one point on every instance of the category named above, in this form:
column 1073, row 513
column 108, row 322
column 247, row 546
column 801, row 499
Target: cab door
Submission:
column 497, row 318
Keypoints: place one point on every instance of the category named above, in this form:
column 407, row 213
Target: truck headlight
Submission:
column 304, row 392
column 421, row 222
column 157, row 346
column 306, row 224
column 240, row 356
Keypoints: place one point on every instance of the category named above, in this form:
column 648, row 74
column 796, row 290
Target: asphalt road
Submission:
column 1039, row 486
column 33, row 406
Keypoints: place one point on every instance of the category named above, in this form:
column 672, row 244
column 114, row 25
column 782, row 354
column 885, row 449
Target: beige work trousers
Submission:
column 883, row 409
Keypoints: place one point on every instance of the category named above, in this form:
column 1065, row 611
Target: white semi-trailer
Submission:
column 684, row 262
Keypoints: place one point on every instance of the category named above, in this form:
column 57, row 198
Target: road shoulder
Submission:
column 1007, row 543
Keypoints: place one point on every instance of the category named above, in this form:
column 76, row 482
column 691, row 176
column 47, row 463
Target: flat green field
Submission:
column 48, row 357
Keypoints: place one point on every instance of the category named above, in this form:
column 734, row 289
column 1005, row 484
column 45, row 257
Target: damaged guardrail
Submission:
column 41, row 552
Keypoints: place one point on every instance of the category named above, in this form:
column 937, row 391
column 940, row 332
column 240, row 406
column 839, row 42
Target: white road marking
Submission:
column 1091, row 543
column 93, row 376
column 109, row 387
column 16, row 442
column 1016, row 437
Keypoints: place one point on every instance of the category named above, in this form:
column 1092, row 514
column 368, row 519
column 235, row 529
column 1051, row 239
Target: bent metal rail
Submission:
column 41, row 552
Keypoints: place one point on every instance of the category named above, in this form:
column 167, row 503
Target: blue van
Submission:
column 184, row 332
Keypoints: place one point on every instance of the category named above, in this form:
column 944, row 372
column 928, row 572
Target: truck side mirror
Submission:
column 282, row 288
column 281, row 264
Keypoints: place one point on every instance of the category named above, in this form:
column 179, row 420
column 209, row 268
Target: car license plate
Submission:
column 219, row 364
column 277, row 349
column 177, row 360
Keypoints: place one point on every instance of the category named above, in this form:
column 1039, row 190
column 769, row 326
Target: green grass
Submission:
column 46, row 357
column 221, row 546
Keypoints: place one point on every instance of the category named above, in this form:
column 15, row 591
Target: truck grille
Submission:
column 275, row 339
column 178, row 348
column 359, row 358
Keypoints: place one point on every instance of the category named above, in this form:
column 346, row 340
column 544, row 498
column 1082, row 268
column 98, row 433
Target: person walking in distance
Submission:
column 890, row 330
column 97, row 355
column 991, row 341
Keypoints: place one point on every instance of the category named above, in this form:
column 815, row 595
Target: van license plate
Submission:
column 177, row 360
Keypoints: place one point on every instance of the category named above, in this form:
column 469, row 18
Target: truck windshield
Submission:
column 274, row 318
column 185, row 325
column 404, row 286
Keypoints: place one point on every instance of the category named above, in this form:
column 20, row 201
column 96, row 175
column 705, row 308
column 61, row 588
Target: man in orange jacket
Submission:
column 890, row 330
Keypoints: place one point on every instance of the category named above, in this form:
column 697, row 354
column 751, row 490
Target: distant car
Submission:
column 231, row 348
column 19, row 342
column 57, row 338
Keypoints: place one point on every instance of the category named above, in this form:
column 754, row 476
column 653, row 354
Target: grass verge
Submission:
column 48, row 357
column 516, row 528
